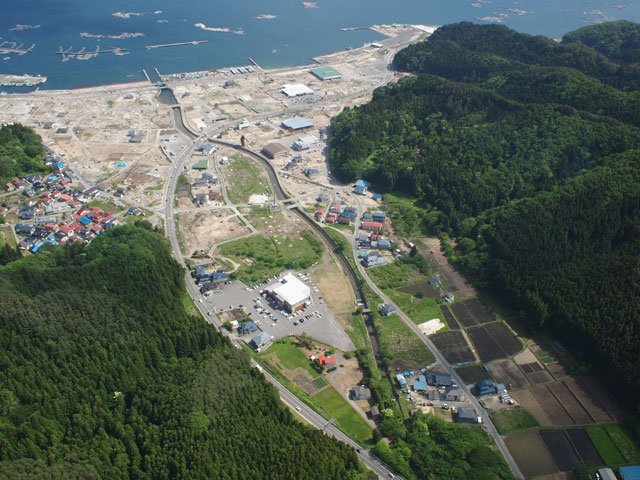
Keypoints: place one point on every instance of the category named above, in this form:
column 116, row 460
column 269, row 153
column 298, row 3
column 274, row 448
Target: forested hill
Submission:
column 21, row 152
column 528, row 152
column 104, row 375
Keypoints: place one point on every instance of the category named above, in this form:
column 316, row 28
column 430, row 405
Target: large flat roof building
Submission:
column 290, row 293
column 297, row 123
column 296, row 90
column 326, row 73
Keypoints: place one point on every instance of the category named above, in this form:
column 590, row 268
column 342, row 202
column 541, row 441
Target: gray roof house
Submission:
column 467, row 415
column 261, row 341
column 360, row 392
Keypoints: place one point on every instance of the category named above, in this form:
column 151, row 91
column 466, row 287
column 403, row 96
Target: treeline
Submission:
column 526, row 151
column 21, row 152
column 103, row 374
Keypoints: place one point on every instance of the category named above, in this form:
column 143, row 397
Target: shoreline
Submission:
column 315, row 61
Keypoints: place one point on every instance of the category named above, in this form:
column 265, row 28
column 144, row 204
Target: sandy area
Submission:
column 431, row 326
column 201, row 230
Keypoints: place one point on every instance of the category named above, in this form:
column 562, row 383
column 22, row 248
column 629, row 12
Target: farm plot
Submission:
column 453, row 346
column 531, row 454
column 463, row 315
column 554, row 409
column 536, row 374
column 486, row 346
column 448, row 316
column 560, row 448
column 423, row 288
column 505, row 338
column 585, row 447
column 569, row 402
column 479, row 310
column 598, row 396
column 508, row 373
column 471, row 374
column 529, row 402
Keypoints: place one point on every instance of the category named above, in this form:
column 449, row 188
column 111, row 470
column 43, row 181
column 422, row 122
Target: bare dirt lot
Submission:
column 449, row 276
column 508, row 373
column 200, row 230
column 531, row 454
column 348, row 375
column 530, row 403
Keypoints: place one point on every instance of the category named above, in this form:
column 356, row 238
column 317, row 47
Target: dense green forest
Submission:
column 21, row 152
column 527, row 151
column 104, row 375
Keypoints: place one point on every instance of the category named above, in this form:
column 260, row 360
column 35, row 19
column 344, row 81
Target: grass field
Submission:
column 291, row 357
column 188, row 304
column 268, row 257
column 340, row 240
column 6, row 236
column 261, row 217
column 512, row 420
column 347, row 419
column 320, row 382
column 400, row 343
column 419, row 309
column 605, row 446
column 624, row 443
column 244, row 178
column 106, row 206
column 543, row 356
column 403, row 272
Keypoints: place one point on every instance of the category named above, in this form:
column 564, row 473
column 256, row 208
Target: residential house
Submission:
column 261, row 341
column 360, row 392
column 486, row 387
column 467, row 415
column 374, row 259
column 386, row 310
column 440, row 379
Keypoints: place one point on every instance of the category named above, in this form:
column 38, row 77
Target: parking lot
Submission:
column 316, row 320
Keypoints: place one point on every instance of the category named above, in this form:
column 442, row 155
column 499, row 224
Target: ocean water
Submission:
column 291, row 37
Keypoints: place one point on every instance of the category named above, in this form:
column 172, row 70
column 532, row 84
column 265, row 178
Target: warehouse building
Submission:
column 297, row 123
column 290, row 293
column 296, row 90
column 273, row 150
column 326, row 73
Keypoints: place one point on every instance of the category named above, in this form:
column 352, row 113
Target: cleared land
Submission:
column 423, row 288
column 560, row 448
column 464, row 316
column 449, row 318
column 531, row 454
column 453, row 346
column 508, row 373
column 512, row 420
column 585, row 447
column 244, row 178
column 347, row 418
column 487, row 348
column 472, row 374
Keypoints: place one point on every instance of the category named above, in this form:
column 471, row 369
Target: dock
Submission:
column 83, row 52
column 177, row 44
column 256, row 64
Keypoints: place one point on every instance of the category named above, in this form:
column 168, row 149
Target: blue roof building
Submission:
column 419, row 386
column 84, row 220
column 630, row 473
column 401, row 380
column 247, row 327
column 379, row 216
column 297, row 123
column 218, row 277
column 486, row 387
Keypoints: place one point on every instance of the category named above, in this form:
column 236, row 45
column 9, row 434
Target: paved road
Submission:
column 486, row 419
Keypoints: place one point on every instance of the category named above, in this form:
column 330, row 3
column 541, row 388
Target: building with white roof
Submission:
column 296, row 90
column 290, row 293
column 305, row 143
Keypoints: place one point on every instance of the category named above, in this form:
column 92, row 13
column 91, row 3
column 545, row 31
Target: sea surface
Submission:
column 274, row 33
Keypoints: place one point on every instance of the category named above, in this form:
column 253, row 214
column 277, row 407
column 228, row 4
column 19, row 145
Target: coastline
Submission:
column 384, row 29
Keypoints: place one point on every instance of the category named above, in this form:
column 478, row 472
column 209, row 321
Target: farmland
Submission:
column 508, row 373
column 449, row 318
column 512, row 420
column 531, row 454
column 453, row 346
column 558, row 444
column 471, row 374
column 464, row 316
column 488, row 349
column 584, row 446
